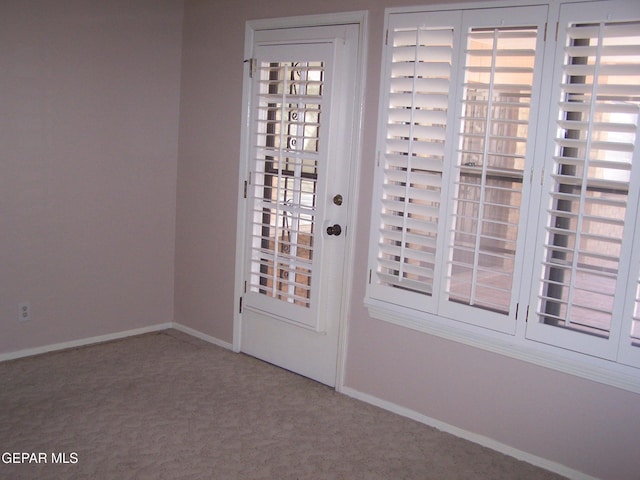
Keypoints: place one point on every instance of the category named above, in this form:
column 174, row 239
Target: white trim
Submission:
column 443, row 5
column 354, row 195
column 245, row 128
column 202, row 336
column 28, row 352
column 467, row 435
column 83, row 342
column 356, row 17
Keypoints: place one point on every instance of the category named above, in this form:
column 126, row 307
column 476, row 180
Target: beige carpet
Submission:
column 168, row 406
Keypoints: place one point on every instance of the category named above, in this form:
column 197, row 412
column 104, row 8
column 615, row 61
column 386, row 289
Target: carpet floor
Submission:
column 166, row 405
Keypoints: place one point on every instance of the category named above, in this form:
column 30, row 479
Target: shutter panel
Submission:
column 497, row 117
column 413, row 157
column 417, row 185
column 413, row 143
column 285, row 173
column 496, row 105
column 592, row 204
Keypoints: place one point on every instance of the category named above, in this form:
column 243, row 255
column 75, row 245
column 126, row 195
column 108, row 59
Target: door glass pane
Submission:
column 285, row 179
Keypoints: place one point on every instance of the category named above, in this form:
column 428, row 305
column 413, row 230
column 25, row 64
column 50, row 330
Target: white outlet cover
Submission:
column 24, row 311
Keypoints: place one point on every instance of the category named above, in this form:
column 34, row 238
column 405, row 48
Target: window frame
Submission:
column 622, row 367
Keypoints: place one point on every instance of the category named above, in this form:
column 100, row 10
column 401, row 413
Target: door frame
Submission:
column 358, row 18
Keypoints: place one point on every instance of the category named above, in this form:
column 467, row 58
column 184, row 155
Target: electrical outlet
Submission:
column 24, row 311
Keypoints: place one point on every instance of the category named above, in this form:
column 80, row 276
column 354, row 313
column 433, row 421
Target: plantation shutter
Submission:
column 285, row 183
column 593, row 194
column 509, row 201
column 417, row 122
column 500, row 86
column 450, row 173
column 285, row 180
column 416, row 129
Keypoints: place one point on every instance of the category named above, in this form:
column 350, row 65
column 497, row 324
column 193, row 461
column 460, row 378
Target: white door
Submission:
column 299, row 142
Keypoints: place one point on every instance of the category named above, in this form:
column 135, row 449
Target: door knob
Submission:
column 334, row 230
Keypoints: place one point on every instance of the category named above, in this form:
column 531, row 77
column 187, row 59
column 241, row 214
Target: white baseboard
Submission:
column 114, row 336
column 201, row 336
column 472, row 437
column 82, row 342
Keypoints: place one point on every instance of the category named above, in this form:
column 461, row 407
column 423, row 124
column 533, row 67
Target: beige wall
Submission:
column 583, row 425
column 91, row 106
column 89, row 97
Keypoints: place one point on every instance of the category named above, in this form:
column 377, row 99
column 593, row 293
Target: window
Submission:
column 461, row 89
column 490, row 221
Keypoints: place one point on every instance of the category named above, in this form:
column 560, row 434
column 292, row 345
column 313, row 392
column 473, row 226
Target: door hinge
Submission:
column 247, row 182
column 546, row 26
column 245, row 287
column 386, row 37
column 252, row 66
column 526, row 316
column 240, row 305
column 369, row 276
